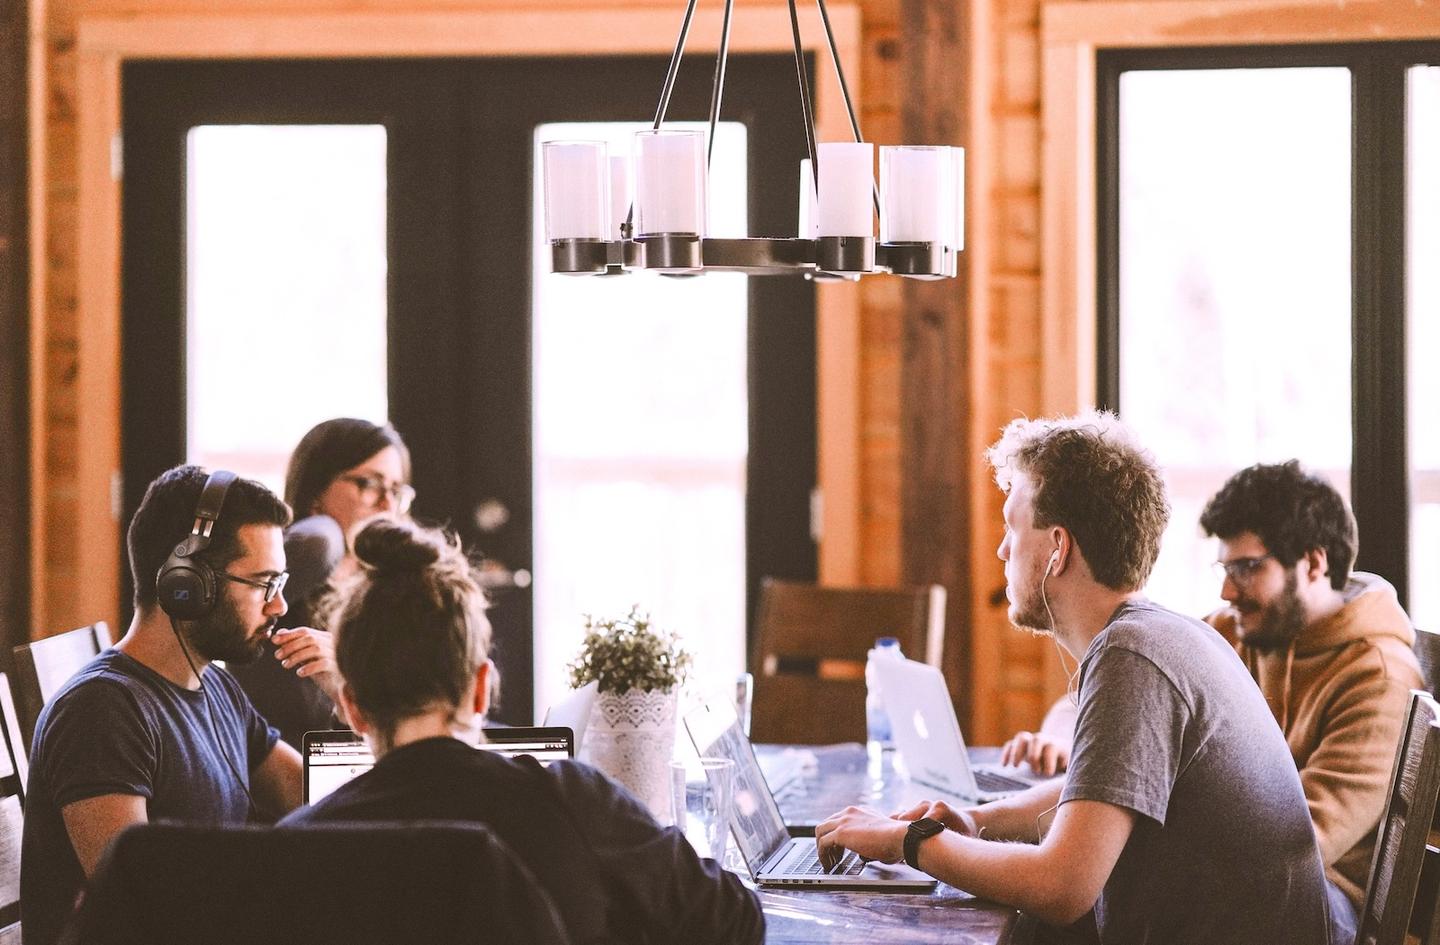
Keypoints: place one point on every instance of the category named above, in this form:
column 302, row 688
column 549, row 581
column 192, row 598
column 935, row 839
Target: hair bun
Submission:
column 392, row 545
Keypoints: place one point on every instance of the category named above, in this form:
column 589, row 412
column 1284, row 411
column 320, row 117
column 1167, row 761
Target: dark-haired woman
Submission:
column 343, row 472
column 412, row 644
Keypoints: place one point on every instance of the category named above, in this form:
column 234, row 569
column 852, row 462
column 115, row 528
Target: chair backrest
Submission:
column 43, row 666
column 14, row 761
column 12, row 783
column 340, row 884
column 1427, row 653
column 1400, row 845
column 810, row 648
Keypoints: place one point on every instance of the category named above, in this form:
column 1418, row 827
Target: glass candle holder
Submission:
column 669, row 183
column 847, row 182
column 577, row 203
column 917, row 194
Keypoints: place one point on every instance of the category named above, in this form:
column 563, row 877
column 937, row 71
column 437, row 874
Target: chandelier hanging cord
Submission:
column 717, row 87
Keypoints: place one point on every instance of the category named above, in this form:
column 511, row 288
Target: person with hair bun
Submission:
column 412, row 646
column 342, row 472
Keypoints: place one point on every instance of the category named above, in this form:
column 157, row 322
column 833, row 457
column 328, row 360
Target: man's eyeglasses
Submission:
column 272, row 587
column 372, row 488
column 1240, row 570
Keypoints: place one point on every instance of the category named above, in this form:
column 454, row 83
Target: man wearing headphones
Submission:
column 150, row 729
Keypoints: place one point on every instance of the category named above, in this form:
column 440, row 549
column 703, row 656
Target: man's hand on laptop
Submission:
column 960, row 821
column 1046, row 754
column 871, row 834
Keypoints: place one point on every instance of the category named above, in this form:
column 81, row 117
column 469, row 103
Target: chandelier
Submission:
column 596, row 223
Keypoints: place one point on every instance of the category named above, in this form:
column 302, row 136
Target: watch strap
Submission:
column 919, row 830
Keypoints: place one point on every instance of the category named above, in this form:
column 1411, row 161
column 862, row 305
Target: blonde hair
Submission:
column 1093, row 478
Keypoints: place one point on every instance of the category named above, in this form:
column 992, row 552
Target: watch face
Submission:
column 927, row 827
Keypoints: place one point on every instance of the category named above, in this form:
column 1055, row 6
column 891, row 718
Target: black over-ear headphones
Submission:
column 185, row 586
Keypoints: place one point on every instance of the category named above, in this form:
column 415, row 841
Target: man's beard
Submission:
column 1029, row 611
column 222, row 635
column 1281, row 621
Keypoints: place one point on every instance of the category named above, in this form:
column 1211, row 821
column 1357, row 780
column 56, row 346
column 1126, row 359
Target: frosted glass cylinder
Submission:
column 847, row 182
column 917, row 194
column 669, row 183
column 577, row 178
column 619, row 195
column 956, row 237
column 809, row 223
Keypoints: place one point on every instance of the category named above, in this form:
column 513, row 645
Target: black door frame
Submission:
column 455, row 468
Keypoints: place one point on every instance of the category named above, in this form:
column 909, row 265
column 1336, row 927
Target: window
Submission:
column 285, row 280
column 1422, row 215
column 1261, row 262
column 641, row 440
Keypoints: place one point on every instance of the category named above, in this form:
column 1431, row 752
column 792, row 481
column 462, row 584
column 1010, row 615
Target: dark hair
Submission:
column 410, row 628
column 167, row 514
column 1293, row 511
column 328, row 450
column 1094, row 479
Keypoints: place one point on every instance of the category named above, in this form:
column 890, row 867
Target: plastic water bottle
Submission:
column 877, row 721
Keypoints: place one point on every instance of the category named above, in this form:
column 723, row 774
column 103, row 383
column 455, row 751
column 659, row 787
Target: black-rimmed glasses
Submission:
column 1240, row 570
column 271, row 587
column 373, row 487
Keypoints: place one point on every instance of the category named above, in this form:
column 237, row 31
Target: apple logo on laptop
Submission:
column 920, row 726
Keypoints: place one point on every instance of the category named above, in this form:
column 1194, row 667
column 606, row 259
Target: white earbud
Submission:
column 1054, row 560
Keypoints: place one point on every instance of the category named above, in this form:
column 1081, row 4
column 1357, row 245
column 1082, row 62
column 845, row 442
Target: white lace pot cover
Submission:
column 631, row 737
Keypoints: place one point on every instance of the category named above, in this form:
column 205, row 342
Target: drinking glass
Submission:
column 701, row 799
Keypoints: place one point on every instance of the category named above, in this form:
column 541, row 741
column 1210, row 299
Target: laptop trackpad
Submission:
column 894, row 871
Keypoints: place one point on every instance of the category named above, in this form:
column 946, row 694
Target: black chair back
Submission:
column 43, row 666
column 341, row 884
column 12, row 786
column 1390, row 895
column 1427, row 653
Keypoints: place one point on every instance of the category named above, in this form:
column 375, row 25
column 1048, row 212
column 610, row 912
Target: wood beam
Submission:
column 935, row 412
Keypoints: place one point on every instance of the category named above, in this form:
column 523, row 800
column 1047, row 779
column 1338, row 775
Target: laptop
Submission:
column 927, row 735
column 573, row 712
column 772, row 856
column 334, row 757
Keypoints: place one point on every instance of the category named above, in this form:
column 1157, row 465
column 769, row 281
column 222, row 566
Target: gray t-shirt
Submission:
column 1172, row 727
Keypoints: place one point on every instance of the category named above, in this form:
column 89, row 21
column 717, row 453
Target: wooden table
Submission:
column 840, row 775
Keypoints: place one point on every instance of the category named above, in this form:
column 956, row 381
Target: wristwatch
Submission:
column 922, row 829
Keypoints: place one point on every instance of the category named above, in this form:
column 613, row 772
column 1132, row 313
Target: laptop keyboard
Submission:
column 990, row 782
column 809, row 865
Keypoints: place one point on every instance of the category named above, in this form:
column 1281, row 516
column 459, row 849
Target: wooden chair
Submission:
column 12, row 784
column 43, row 666
column 1390, row 895
column 1427, row 652
column 810, row 649
column 14, row 763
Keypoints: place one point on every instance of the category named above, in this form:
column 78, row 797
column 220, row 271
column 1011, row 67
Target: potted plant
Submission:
column 637, row 670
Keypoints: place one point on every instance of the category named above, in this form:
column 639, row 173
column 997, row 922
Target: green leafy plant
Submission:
column 628, row 653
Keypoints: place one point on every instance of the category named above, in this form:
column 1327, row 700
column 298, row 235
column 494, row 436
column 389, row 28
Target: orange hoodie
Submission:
column 1340, row 693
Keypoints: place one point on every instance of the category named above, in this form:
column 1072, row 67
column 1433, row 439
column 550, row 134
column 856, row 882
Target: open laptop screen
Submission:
column 757, row 823
column 332, row 758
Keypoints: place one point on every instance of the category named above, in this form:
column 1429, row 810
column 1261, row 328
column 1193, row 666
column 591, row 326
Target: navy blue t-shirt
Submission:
column 118, row 727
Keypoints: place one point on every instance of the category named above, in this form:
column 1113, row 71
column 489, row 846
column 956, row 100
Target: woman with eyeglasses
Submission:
column 343, row 472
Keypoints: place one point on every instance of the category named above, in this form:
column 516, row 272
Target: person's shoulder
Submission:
column 1142, row 625
column 316, row 536
column 109, row 677
column 587, row 786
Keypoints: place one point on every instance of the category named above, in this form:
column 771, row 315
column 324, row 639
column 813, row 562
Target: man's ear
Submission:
column 1317, row 565
column 350, row 713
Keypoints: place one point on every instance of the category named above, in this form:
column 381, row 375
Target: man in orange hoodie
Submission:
column 1330, row 650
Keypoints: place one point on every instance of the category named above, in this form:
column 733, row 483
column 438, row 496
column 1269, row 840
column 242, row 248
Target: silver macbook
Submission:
column 573, row 712
column 927, row 735
column 773, row 857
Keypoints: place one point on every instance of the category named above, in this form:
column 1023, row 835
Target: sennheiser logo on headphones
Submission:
column 181, row 595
